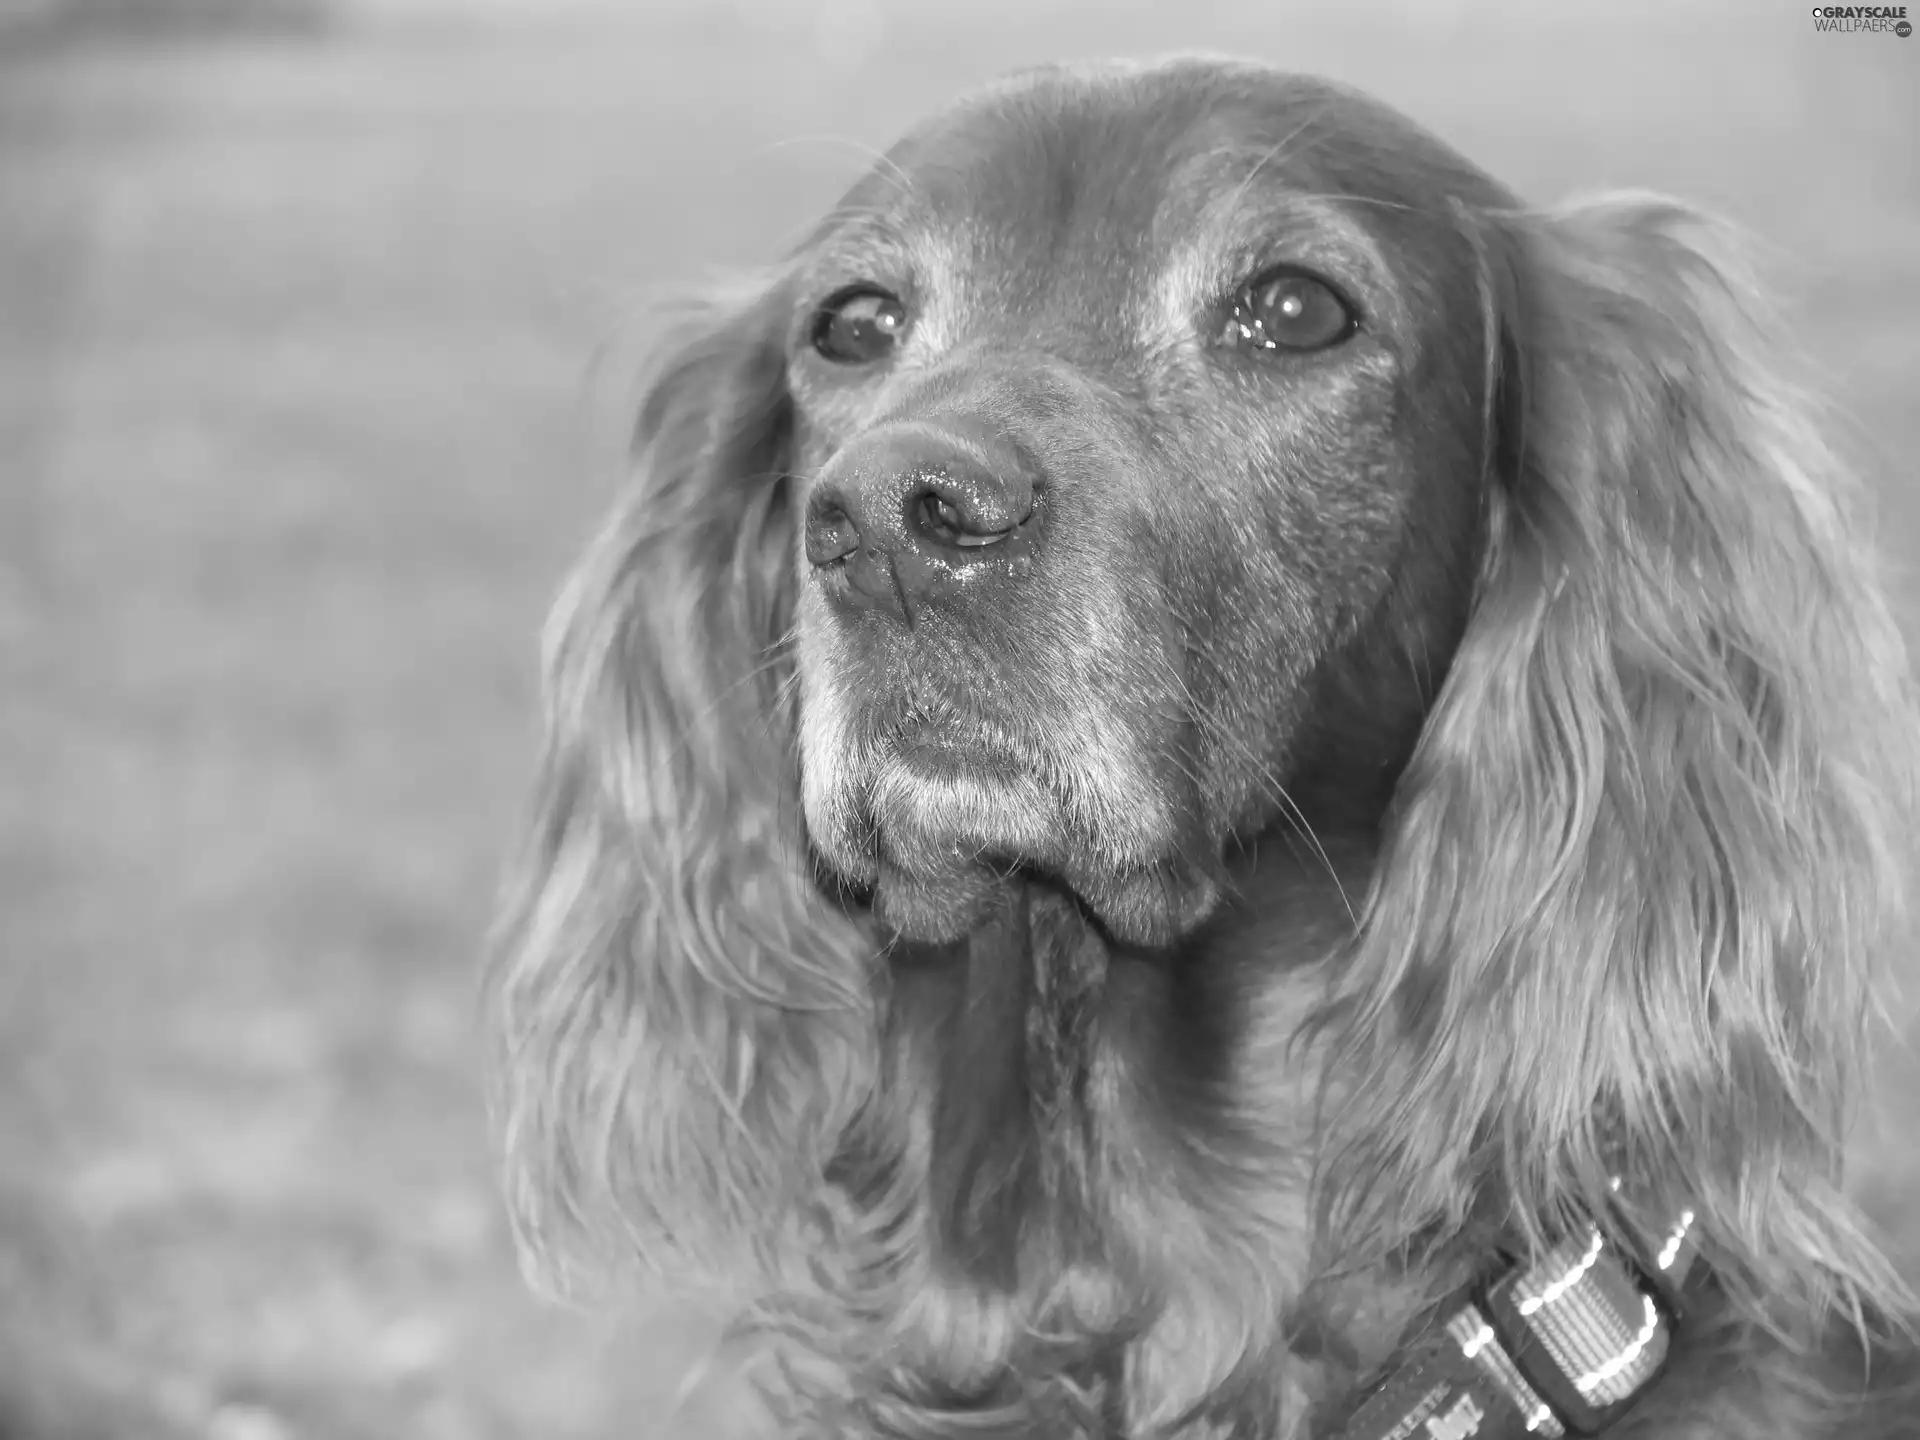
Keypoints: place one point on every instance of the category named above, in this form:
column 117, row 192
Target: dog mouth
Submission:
column 937, row 821
column 938, row 798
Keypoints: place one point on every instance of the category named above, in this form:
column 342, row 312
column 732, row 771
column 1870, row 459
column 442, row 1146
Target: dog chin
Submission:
column 1148, row 908
column 935, row 909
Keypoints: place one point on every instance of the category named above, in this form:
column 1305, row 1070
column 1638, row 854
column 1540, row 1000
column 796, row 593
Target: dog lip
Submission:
column 939, row 758
column 1150, row 907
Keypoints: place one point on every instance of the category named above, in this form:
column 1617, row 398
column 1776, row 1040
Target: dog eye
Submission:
column 859, row 327
column 1288, row 310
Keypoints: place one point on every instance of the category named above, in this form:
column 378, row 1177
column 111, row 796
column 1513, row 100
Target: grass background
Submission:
column 299, row 304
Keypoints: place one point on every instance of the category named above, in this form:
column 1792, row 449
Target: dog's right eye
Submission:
column 859, row 327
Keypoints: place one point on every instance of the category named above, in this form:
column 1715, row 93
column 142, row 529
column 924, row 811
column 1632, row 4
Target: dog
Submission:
column 1216, row 782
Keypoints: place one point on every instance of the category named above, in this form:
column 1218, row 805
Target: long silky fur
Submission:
column 686, row 1025
column 1653, row 848
column 1623, row 921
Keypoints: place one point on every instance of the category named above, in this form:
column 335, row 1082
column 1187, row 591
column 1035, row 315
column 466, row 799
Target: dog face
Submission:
column 1118, row 396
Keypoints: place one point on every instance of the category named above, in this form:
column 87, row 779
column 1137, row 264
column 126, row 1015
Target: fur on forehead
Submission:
column 1177, row 130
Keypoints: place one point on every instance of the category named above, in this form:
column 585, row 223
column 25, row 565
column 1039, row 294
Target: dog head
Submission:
column 1142, row 462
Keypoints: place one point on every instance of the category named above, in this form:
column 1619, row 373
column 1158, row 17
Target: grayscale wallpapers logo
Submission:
column 1859, row 19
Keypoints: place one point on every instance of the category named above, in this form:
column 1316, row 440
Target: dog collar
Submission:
column 1560, row 1347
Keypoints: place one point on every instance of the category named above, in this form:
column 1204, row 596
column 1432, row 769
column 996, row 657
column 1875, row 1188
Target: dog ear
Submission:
column 684, row 1022
column 1655, row 833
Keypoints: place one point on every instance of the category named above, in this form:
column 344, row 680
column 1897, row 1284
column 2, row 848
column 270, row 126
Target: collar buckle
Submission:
column 1564, row 1345
column 1590, row 1324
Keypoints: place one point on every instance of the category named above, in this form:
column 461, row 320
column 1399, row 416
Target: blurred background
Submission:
column 307, row 309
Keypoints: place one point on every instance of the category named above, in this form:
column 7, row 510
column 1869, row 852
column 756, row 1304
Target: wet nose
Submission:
column 908, row 516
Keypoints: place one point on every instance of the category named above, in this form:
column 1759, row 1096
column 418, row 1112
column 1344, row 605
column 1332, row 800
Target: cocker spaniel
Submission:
column 1217, row 783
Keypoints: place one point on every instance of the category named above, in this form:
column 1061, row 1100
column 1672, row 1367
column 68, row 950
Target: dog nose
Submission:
column 909, row 516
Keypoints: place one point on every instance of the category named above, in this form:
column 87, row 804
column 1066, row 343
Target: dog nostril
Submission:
column 831, row 534
column 946, row 522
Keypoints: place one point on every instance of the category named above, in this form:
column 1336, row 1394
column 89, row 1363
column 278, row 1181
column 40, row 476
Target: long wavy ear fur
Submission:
column 1655, row 836
column 683, row 1022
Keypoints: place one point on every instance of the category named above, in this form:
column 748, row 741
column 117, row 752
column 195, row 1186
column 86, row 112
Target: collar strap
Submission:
column 1559, row 1347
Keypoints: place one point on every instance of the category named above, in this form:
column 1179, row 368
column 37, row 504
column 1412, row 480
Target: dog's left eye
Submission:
column 858, row 327
column 1288, row 310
